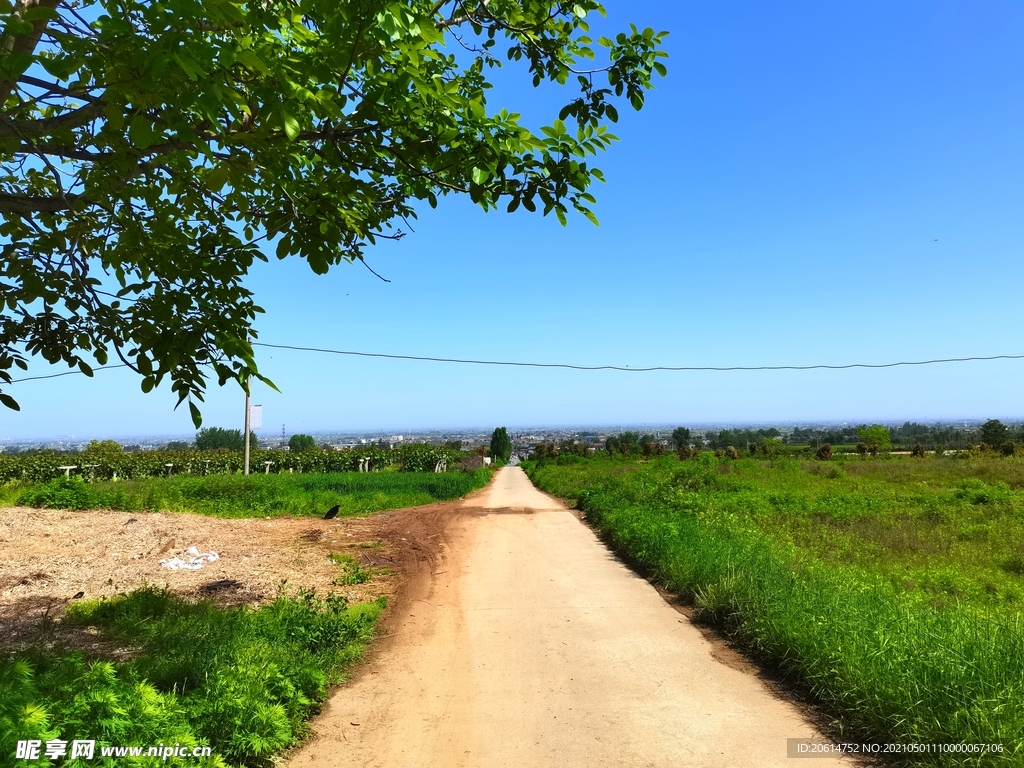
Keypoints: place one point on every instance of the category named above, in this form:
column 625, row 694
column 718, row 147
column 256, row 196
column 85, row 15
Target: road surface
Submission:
column 532, row 645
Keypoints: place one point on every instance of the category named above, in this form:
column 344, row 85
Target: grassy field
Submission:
column 890, row 589
column 256, row 495
column 239, row 680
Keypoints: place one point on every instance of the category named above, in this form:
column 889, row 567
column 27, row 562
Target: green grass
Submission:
column 352, row 571
column 240, row 680
column 889, row 589
column 237, row 496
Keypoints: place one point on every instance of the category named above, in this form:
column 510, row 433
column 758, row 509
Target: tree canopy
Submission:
column 217, row 438
column 680, row 437
column 994, row 433
column 875, row 436
column 152, row 150
column 300, row 443
column 501, row 444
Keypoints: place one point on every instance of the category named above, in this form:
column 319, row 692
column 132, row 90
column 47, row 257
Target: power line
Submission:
column 67, row 373
column 644, row 369
column 569, row 366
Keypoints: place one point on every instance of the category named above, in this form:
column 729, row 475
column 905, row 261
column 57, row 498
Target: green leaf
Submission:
column 40, row 13
column 249, row 59
column 216, row 178
column 197, row 417
column 292, row 129
column 10, row 402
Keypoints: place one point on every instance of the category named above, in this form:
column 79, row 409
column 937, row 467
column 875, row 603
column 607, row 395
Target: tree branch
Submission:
column 23, row 44
column 26, row 205
column 45, row 125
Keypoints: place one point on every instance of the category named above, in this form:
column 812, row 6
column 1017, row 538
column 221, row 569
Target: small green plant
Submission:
column 353, row 571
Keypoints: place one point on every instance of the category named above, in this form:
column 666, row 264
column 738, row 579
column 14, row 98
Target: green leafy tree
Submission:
column 680, row 437
column 216, row 438
column 501, row 444
column 176, row 445
column 150, row 150
column 300, row 443
column 875, row 436
column 994, row 433
column 100, row 448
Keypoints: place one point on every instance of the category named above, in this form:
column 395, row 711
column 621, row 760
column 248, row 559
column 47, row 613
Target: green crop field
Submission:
column 255, row 495
column 889, row 589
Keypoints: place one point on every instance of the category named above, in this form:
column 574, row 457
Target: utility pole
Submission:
column 245, row 447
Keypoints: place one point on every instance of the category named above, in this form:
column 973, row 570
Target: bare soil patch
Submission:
column 48, row 558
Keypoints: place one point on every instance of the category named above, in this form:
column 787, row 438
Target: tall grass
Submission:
column 240, row 680
column 891, row 665
column 236, row 496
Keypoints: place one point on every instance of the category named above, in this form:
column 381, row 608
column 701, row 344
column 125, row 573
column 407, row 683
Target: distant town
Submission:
column 949, row 433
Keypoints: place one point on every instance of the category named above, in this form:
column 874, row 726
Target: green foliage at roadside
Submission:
column 256, row 495
column 891, row 590
column 241, row 680
column 40, row 467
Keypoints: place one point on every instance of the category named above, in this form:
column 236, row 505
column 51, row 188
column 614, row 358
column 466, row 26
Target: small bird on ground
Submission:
column 331, row 513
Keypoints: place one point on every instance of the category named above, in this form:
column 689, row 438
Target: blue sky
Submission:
column 812, row 183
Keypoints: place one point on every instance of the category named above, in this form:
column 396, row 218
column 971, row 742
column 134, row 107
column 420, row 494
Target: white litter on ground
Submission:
column 192, row 562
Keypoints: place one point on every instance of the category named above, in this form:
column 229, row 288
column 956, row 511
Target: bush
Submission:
column 240, row 680
column 732, row 453
column 62, row 493
column 917, row 450
column 685, row 453
column 824, row 453
column 1008, row 448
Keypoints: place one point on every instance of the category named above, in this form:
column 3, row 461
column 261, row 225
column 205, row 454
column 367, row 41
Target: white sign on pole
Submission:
column 256, row 417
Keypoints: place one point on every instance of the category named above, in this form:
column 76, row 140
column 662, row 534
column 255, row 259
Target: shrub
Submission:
column 732, row 453
column 62, row 493
column 685, row 453
column 824, row 452
column 1008, row 448
column 917, row 450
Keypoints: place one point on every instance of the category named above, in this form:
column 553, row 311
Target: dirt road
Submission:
column 531, row 645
